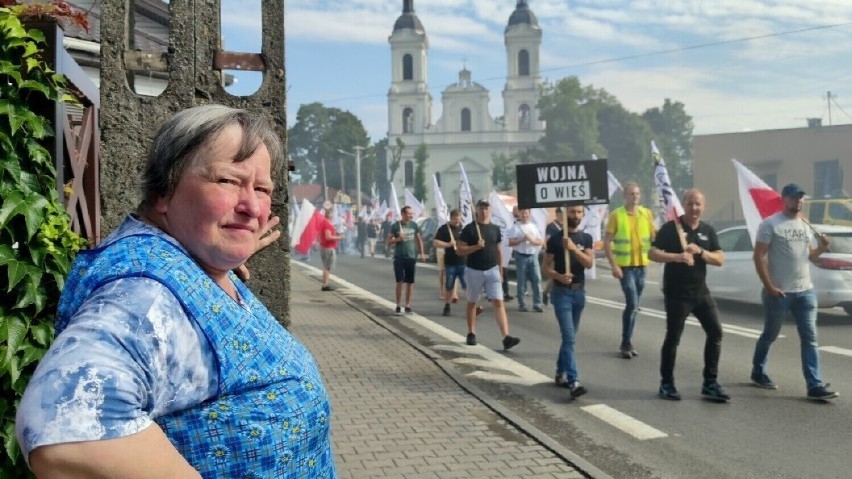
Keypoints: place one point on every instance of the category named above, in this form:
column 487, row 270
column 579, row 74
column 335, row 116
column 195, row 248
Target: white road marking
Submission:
column 520, row 374
column 625, row 423
column 836, row 350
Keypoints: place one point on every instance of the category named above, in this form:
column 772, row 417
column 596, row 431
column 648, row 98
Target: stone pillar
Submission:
column 194, row 63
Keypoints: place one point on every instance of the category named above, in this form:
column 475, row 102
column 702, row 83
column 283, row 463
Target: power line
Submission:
column 639, row 55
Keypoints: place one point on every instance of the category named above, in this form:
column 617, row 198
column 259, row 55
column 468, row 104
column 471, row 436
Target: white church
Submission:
column 465, row 132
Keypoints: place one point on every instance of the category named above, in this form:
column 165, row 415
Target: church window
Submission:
column 407, row 67
column 409, row 173
column 524, row 117
column 465, row 119
column 523, row 63
column 408, row 120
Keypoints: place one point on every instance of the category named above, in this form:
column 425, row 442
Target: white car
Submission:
column 737, row 279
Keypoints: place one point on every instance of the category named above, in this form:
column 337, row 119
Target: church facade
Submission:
column 466, row 132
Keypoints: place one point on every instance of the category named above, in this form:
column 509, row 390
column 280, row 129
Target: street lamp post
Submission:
column 357, row 156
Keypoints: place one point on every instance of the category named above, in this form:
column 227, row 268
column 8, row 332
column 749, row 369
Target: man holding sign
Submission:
column 569, row 295
column 480, row 242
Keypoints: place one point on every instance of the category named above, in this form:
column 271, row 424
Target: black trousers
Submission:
column 704, row 309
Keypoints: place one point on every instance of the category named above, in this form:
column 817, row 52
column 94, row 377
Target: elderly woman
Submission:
column 165, row 364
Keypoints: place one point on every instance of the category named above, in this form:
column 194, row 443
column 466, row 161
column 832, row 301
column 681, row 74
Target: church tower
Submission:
column 409, row 101
column 522, row 38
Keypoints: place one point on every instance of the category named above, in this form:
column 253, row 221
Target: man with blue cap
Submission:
column 782, row 252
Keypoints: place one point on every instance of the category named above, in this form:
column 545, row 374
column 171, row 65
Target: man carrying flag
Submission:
column 782, row 250
column 452, row 264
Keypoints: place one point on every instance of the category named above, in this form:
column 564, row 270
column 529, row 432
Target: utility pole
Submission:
column 828, row 97
column 357, row 156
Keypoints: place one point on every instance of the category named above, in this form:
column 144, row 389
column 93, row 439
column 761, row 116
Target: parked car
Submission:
column 737, row 279
column 428, row 227
column 829, row 211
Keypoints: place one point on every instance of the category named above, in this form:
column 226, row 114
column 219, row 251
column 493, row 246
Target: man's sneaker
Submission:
column 668, row 391
column 522, row 309
column 822, row 393
column 398, row 311
column 761, row 380
column 576, row 389
column 545, row 298
column 508, row 297
column 714, row 392
column 446, row 311
column 327, row 288
column 561, row 381
column 538, row 309
column 408, row 310
column 510, row 342
column 471, row 339
column 624, row 351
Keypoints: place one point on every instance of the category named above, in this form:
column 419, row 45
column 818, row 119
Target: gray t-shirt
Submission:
column 789, row 243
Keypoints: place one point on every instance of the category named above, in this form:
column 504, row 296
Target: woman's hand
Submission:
column 267, row 237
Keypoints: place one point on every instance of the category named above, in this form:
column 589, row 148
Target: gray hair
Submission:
column 176, row 145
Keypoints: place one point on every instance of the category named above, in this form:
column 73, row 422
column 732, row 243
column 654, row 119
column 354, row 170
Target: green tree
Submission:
column 672, row 128
column 626, row 141
column 421, row 154
column 395, row 158
column 569, row 110
column 318, row 134
column 503, row 171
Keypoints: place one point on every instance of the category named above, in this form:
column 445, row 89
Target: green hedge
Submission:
column 36, row 244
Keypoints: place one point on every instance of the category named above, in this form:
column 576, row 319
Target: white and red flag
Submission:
column 465, row 197
column 758, row 199
column 306, row 228
column 670, row 207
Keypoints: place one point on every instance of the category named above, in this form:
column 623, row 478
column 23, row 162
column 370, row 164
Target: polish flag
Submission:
column 757, row 199
column 670, row 207
column 306, row 229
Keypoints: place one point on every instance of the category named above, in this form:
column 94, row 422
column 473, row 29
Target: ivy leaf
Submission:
column 32, row 63
column 31, row 354
column 36, row 35
column 30, row 49
column 15, row 329
column 10, row 443
column 7, row 254
column 18, row 270
column 42, row 333
column 31, row 207
column 34, row 85
column 32, row 293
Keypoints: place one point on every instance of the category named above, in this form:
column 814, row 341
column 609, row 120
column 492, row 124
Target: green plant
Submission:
column 37, row 245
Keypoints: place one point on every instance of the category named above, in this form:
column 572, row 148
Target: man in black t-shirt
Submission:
column 568, row 295
column 686, row 254
column 554, row 228
column 446, row 237
column 480, row 242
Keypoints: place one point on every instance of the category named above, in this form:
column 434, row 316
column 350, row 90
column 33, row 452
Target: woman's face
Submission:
column 220, row 207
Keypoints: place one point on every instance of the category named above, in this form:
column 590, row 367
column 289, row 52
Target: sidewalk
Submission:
column 397, row 413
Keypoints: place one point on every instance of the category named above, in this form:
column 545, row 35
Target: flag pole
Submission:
column 564, row 236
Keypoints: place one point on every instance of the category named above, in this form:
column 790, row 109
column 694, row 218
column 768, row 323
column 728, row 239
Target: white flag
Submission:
column 394, row 203
column 502, row 217
column 441, row 209
column 416, row 206
column 758, row 200
column 465, row 197
column 670, row 207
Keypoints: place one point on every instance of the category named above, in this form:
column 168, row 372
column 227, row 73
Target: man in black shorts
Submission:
column 446, row 237
column 404, row 235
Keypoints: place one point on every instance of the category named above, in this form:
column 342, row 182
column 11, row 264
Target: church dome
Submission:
column 408, row 19
column 522, row 15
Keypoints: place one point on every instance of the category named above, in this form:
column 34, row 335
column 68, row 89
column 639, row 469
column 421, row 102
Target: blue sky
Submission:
column 638, row 50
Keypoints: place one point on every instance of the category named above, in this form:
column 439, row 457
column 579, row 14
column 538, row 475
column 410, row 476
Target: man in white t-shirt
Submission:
column 526, row 240
column 782, row 253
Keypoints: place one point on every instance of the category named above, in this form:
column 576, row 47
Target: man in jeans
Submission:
column 782, row 251
column 445, row 239
column 628, row 237
column 526, row 240
column 568, row 295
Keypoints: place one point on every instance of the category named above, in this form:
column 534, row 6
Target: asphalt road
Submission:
column 621, row 426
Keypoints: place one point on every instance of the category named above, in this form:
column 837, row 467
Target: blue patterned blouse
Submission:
column 145, row 336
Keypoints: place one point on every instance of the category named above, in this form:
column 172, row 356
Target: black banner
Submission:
column 564, row 183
